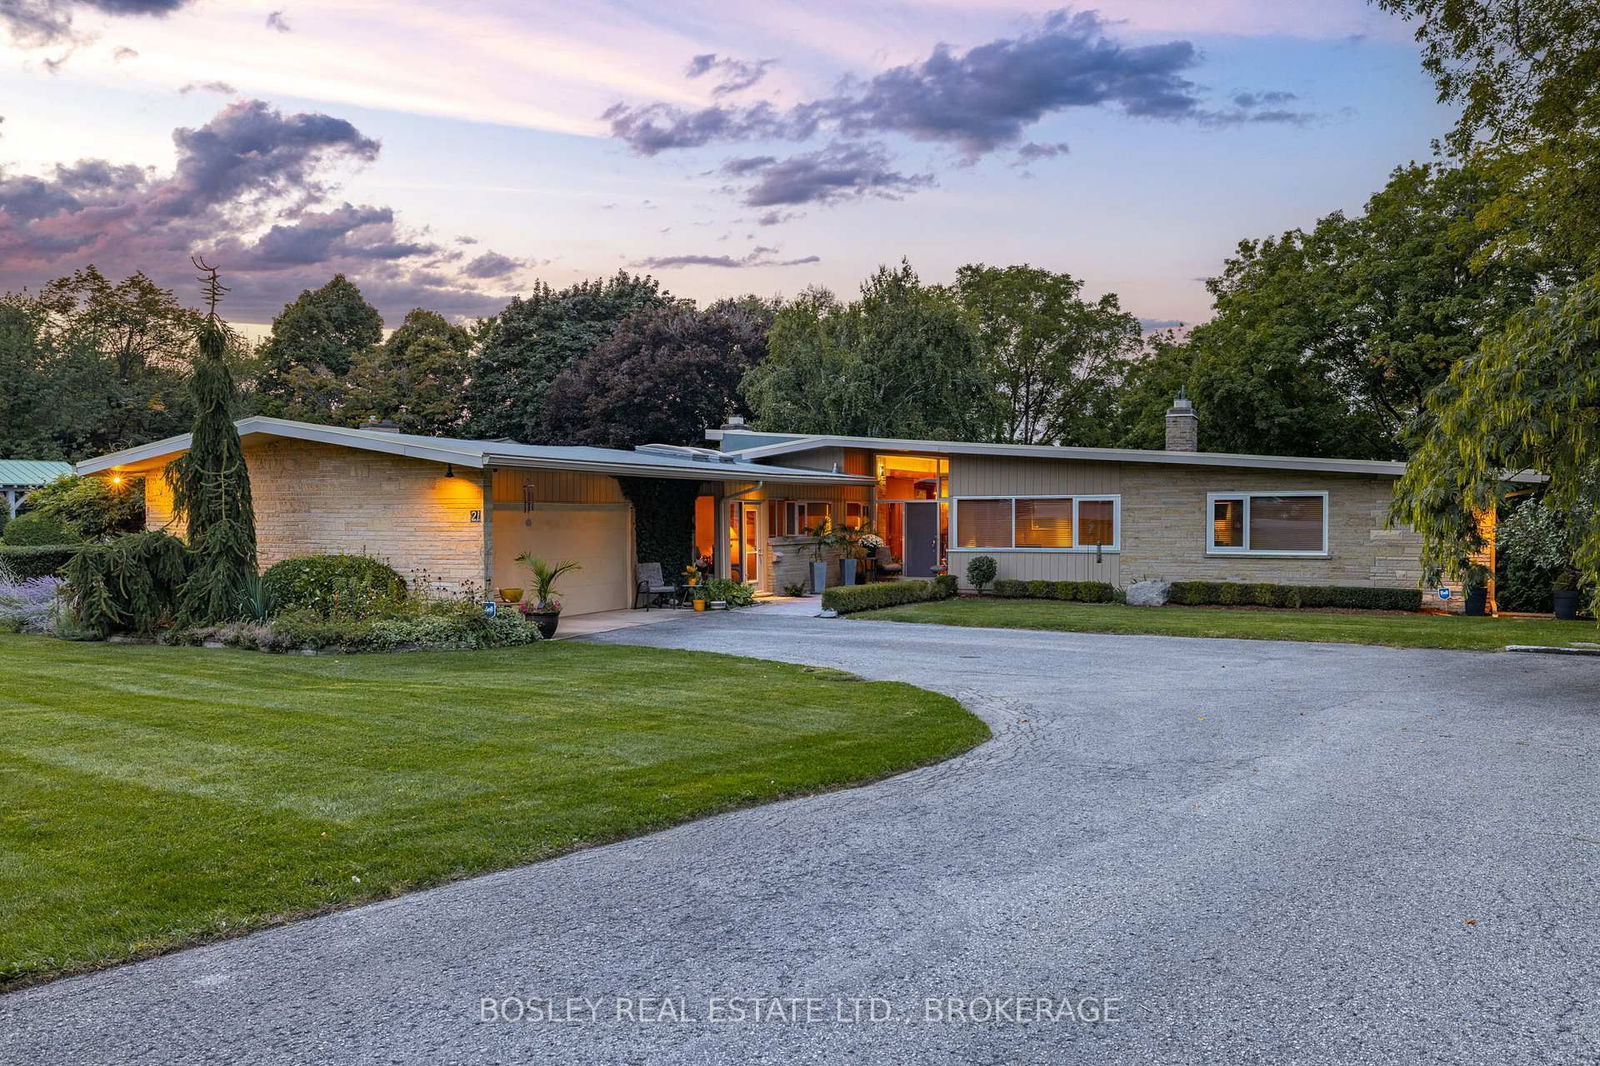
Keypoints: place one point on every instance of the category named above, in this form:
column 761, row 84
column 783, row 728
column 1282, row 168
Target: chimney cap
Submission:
column 379, row 425
column 734, row 422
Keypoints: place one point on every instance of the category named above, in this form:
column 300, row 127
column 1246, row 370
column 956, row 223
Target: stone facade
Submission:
column 317, row 498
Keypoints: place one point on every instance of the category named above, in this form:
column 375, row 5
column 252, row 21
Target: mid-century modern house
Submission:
column 461, row 511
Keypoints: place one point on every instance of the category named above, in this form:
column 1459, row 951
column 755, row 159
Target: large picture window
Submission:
column 1038, row 523
column 792, row 518
column 1261, row 523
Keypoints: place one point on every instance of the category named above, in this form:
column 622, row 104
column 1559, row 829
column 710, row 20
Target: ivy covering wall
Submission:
column 663, row 520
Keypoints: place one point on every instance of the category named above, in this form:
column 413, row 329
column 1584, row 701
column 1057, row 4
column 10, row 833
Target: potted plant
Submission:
column 513, row 595
column 848, row 538
column 1475, row 590
column 1566, row 596
column 821, row 540
column 545, row 609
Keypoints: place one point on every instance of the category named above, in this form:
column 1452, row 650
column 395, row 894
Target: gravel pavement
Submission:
column 1172, row 851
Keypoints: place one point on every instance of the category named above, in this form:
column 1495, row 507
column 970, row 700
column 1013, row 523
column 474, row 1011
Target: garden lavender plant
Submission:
column 27, row 605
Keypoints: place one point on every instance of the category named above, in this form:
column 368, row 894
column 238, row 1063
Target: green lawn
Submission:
column 1396, row 630
column 152, row 797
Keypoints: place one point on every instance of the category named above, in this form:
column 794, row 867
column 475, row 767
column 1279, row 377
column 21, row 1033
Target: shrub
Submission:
column 334, row 586
column 944, row 587
column 1237, row 593
column 981, row 570
column 848, row 599
column 1076, row 591
column 733, row 593
column 128, row 584
column 41, row 561
column 37, row 529
column 1042, row 590
column 94, row 508
column 794, row 588
column 1010, row 588
column 437, row 625
column 27, row 605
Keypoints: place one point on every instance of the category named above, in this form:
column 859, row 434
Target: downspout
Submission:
column 488, row 533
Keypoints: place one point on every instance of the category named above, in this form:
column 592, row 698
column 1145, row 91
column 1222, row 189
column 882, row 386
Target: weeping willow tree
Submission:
column 211, row 485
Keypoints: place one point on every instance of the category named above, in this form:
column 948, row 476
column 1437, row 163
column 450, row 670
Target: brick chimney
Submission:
column 1183, row 426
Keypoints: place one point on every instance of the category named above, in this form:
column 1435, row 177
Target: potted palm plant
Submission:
column 1475, row 590
column 821, row 536
column 544, row 609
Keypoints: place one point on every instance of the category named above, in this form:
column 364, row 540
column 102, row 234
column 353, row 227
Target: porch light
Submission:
column 449, row 470
column 116, row 479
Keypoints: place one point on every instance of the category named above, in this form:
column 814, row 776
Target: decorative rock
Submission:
column 1148, row 593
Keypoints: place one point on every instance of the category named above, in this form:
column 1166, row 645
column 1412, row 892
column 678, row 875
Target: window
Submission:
column 1038, row 523
column 983, row 524
column 855, row 515
column 1290, row 523
column 792, row 518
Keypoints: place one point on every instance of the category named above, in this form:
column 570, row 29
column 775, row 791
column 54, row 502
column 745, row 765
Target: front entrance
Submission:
column 744, row 541
column 922, row 548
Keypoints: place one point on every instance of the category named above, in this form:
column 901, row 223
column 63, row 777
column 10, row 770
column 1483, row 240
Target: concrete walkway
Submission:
column 1248, row 851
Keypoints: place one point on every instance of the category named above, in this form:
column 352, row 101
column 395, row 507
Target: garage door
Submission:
column 599, row 538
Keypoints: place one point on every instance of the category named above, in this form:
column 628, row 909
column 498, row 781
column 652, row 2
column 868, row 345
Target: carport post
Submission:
column 488, row 532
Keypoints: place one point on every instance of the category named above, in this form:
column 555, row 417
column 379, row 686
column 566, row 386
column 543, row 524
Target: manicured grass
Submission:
column 152, row 797
column 1395, row 630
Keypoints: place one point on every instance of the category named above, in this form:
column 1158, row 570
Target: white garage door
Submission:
column 599, row 538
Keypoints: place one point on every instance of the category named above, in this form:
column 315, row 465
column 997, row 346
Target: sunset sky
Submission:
column 448, row 155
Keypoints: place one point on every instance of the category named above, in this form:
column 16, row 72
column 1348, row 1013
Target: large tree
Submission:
column 1055, row 357
column 901, row 361
column 315, row 341
column 665, row 376
column 211, row 487
column 1526, row 75
column 523, row 348
column 414, row 378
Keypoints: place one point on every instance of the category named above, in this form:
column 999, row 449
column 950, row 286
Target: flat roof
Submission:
column 652, row 461
column 1377, row 467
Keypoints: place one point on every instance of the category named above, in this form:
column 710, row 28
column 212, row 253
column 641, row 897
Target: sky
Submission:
column 452, row 155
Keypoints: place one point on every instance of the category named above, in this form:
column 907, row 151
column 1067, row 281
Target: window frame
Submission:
column 1114, row 499
column 1243, row 496
column 791, row 526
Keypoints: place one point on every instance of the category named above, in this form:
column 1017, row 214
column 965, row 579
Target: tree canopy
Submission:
column 523, row 348
column 415, row 378
column 314, row 343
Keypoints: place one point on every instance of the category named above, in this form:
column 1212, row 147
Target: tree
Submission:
column 94, row 508
column 1055, row 357
column 415, row 378
column 52, row 395
column 902, row 361
column 211, row 486
column 1153, row 380
column 314, row 342
column 523, row 348
column 665, row 375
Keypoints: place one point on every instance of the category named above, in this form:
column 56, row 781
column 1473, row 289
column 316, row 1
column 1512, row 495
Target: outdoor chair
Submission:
column 886, row 566
column 652, row 588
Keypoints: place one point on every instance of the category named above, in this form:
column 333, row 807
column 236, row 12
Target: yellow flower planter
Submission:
column 699, row 605
column 511, row 595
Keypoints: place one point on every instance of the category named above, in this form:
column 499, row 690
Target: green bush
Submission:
column 1010, row 588
column 848, row 599
column 436, row 625
column 334, row 586
column 37, row 529
column 129, row 584
column 1074, row 591
column 94, row 508
column 981, row 570
column 1238, row 593
column 1042, row 590
column 733, row 593
column 944, row 587
column 45, row 560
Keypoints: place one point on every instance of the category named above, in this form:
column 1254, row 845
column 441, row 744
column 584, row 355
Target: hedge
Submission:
column 45, row 560
column 334, row 586
column 1242, row 594
column 848, row 599
column 1077, row 591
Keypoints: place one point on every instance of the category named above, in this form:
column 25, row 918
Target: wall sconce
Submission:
column 449, row 470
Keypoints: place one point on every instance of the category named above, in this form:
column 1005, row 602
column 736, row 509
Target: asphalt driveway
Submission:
column 1241, row 851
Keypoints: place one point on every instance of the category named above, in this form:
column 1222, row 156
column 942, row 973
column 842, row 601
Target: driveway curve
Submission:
column 1241, row 851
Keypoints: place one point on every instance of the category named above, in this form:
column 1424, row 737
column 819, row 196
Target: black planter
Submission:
column 546, row 621
column 1566, row 601
column 1476, row 603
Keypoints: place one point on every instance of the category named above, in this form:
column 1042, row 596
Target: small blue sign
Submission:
column 489, row 608
column 1444, row 593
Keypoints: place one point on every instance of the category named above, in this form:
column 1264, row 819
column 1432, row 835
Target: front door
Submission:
column 922, row 537
column 744, row 548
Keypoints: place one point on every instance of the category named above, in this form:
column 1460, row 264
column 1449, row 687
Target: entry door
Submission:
column 922, row 537
column 744, row 548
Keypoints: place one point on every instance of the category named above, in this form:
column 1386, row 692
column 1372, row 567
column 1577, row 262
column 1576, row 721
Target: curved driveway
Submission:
column 1257, row 852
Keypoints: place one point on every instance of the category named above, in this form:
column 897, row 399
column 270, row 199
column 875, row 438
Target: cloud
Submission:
column 1258, row 99
column 250, row 190
column 1032, row 152
column 736, row 74
column 828, row 175
column 277, row 20
column 490, row 265
column 976, row 101
column 222, row 87
column 122, row 52
column 758, row 256
column 35, row 23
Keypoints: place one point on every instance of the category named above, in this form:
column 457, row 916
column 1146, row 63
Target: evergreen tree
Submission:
column 211, row 485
